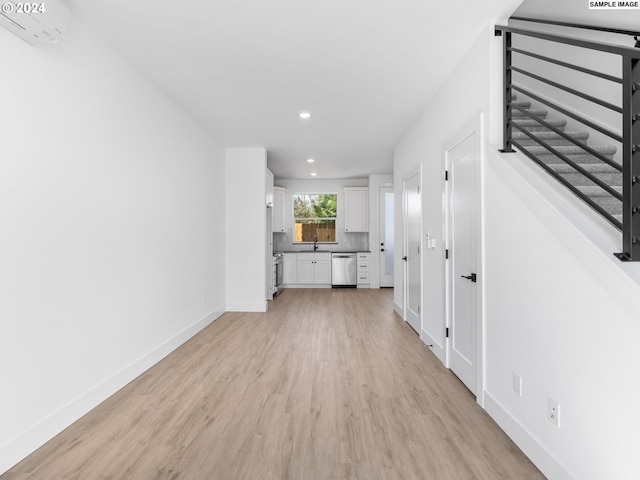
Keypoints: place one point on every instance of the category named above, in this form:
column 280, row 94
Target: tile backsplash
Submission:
column 347, row 242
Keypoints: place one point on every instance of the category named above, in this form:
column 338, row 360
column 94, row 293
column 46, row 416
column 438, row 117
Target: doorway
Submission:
column 412, row 234
column 386, row 206
column 462, row 164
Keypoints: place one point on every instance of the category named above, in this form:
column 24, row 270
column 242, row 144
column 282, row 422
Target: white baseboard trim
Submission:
column 248, row 307
column 438, row 350
column 19, row 447
column 398, row 309
column 538, row 454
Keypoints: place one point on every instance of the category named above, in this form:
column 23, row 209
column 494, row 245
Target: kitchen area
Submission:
column 320, row 234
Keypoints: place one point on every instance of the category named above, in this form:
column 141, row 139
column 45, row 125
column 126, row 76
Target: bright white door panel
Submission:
column 413, row 275
column 386, row 236
column 462, row 268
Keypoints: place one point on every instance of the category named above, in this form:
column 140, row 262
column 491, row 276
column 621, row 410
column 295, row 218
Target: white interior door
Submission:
column 462, row 166
column 412, row 229
column 386, row 236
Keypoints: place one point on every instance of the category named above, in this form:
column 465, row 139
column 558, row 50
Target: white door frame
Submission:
column 474, row 126
column 417, row 171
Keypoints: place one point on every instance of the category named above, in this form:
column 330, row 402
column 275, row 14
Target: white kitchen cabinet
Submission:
column 313, row 269
column 290, row 266
column 279, row 195
column 362, row 259
column 356, row 209
column 305, row 269
column 322, row 270
column 268, row 184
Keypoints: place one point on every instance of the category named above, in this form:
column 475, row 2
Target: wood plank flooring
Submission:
column 329, row 384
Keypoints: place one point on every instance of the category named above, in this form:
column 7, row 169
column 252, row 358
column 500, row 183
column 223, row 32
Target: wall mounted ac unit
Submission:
column 39, row 23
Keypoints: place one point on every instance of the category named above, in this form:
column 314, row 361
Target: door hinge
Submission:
column 446, row 175
column 446, row 332
column 418, row 308
column 418, row 248
column 446, row 254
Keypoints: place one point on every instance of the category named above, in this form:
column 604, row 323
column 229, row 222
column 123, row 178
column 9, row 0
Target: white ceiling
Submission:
column 245, row 68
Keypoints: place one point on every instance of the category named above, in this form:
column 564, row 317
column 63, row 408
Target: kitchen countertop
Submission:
column 326, row 251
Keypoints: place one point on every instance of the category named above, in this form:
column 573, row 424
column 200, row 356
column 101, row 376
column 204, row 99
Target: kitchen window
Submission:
column 314, row 216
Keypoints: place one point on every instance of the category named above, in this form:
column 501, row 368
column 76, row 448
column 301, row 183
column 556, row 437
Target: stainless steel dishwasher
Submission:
column 343, row 270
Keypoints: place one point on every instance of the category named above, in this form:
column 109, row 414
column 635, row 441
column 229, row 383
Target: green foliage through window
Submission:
column 313, row 205
column 315, row 216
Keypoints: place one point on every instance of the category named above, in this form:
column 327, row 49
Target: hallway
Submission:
column 328, row 384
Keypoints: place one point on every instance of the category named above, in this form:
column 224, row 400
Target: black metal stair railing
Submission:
column 628, row 108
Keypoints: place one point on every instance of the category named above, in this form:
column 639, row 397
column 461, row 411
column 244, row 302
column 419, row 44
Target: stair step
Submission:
column 538, row 112
column 589, row 167
column 603, row 172
column 595, row 191
column 533, row 126
column 610, row 204
column 552, row 138
column 576, row 154
column 593, row 165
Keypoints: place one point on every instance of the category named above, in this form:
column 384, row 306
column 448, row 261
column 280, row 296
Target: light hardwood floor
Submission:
column 329, row 384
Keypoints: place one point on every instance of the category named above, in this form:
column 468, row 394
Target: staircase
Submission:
column 606, row 193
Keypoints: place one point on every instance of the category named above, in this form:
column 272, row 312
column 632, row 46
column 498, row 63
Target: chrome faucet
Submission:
column 315, row 243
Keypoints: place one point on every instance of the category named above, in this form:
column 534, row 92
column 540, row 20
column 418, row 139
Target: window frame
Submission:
column 316, row 219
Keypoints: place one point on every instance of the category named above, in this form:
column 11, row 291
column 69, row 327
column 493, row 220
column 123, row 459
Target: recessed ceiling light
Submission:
column 304, row 115
column 310, row 160
column 313, row 174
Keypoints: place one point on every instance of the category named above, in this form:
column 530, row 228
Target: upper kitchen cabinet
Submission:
column 279, row 195
column 356, row 209
column 268, row 179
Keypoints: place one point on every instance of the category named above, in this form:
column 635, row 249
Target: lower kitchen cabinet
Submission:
column 307, row 269
column 363, row 269
column 322, row 270
column 289, row 268
column 314, row 268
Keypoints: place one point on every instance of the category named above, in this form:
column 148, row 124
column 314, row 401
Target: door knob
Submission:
column 382, row 249
column 404, row 258
column 473, row 277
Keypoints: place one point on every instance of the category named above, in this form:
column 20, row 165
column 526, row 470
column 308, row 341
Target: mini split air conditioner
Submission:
column 39, row 23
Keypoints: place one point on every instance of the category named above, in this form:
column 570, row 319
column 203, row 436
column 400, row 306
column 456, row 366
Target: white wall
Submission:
column 246, row 223
column 562, row 315
column 109, row 232
column 558, row 311
column 577, row 11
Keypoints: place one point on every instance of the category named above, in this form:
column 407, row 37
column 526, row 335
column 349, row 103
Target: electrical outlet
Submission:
column 553, row 412
column 517, row 384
